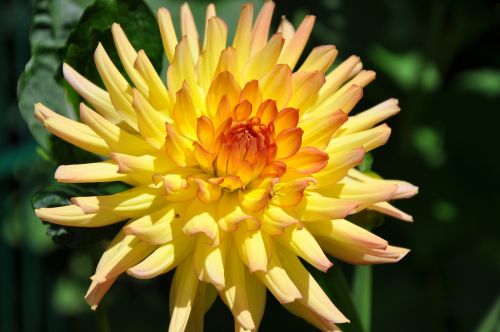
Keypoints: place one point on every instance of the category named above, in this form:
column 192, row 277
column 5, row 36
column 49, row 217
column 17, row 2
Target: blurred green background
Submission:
column 440, row 58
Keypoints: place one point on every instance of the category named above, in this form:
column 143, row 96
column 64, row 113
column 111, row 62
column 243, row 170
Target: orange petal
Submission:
column 224, row 84
column 287, row 118
column 267, row 111
column 288, row 142
column 308, row 160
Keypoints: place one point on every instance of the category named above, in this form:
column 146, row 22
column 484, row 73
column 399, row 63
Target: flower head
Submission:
column 239, row 165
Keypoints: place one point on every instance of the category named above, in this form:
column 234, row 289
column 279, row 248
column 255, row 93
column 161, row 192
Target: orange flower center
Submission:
column 248, row 143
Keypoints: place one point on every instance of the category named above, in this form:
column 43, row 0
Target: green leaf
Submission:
column 94, row 27
column 362, row 294
column 335, row 285
column 367, row 163
column 491, row 321
column 60, row 195
column 41, row 79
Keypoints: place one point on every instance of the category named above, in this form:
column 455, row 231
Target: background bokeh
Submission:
column 440, row 58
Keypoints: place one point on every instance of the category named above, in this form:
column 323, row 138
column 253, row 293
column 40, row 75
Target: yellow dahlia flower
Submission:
column 239, row 165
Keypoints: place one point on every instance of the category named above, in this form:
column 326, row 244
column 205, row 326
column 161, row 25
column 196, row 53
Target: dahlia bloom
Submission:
column 241, row 167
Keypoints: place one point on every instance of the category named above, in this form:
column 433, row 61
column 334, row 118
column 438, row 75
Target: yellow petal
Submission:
column 256, row 196
column 368, row 140
column 142, row 168
column 366, row 194
column 278, row 282
column 127, row 55
column 367, row 119
column 117, row 86
column 130, row 203
column 157, row 94
column 303, row 244
column 275, row 220
column 182, row 69
column 97, row 290
column 160, row 227
column 347, row 69
column 404, row 190
column 118, row 139
column 241, row 41
column 185, row 113
column 290, row 191
column 313, row 296
column 320, row 59
column 253, row 247
column 234, row 293
column 188, row 29
column 151, row 124
column 200, row 219
column 104, row 171
column 265, row 59
column 286, row 29
column 97, row 97
column 390, row 210
column 167, row 31
column 317, row 207
column 209, row 262
column 182, row 295
column 71, row 131
column 305, row 87
column 129, row 253
column 73, row 215
column 228, row 61
column 260, row 30
column 216, row 42
column 277, row 85
column 163, row 259
column 229, row 212
column 338, row 166
column 343, row 100
column 343, row 231
column 292, row 52
column 319, row 131
column 361, row 255
column 179, row 148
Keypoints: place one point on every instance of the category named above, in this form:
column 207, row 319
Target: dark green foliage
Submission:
column 94, row 27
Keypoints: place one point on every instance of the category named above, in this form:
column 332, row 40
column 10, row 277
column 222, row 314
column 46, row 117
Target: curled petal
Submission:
column 278, row 282
column 253, row 247
column 235, row 294
column 166, row 257
column 313, row 297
